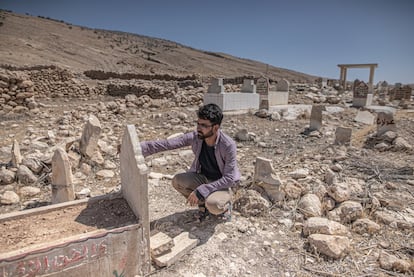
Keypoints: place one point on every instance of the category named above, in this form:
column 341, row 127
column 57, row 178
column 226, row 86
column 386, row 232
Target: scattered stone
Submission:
column 391, row 262
column 330, row 177
column 243, row 135
column 321, row 225
column 251, row 203
column 182, row 245
column 160, row 244
column 293, row 189
column 365, row 226
column 6, row 176
column 310, row 205
column 332, row 246
column 84, row 193
column 400, row 144
column 105, row 173
column 33, row 164
column 299, row 173
column 346, row 212
column 25, row 175
column 339, row 192
column 9, row 198
column 29, row 191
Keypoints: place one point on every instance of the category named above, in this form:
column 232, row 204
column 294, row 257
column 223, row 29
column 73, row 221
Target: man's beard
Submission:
column 202, row 136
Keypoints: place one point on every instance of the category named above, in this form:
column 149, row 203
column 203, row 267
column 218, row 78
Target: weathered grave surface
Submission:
column 77, row 238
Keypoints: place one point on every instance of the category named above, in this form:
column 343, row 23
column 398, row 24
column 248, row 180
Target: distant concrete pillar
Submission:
column 341, row 75
column 371, row 79
column 344, row 83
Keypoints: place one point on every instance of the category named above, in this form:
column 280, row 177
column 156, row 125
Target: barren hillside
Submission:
column 29, row 40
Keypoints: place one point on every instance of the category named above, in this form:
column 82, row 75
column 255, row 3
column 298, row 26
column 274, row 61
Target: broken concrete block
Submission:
column 182, row 245
column 160, row 244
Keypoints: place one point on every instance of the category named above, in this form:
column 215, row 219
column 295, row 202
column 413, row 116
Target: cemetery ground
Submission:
column 264, row 238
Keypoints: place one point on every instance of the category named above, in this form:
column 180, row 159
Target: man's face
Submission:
column 205, row 129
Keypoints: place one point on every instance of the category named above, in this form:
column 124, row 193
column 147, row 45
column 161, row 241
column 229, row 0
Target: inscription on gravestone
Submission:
column 360, row 89
column 262, row 88
column 385, row 123
column 401, row 93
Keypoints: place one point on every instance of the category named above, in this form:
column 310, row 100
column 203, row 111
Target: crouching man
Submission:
column 214, row 171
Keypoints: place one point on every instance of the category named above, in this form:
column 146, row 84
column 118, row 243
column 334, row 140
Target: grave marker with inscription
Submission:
column 361, row 96
column 105, row 244
column 385, row 122
column 401, row 93
column 262, row 88
column 216, row 86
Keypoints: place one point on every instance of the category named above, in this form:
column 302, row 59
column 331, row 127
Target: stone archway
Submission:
column 344, row 68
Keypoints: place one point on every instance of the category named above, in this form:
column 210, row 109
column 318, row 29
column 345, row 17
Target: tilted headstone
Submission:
column 265, row 177
column 343, row 136
column 90, row 136
column 283, row 85
column 216, row 86
column 365, row 117
column 134, row 179
column 16, row 155
column 62, row 180
column 316, row 118
column 385, row 122
column 248, row 86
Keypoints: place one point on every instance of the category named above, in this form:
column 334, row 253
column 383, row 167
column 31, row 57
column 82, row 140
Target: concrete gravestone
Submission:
column 231, row 101
column 134, row 179
column 262, row 88
column 281, row 95
column 361, row 96
column 343, row 136
column 385, row 122
column 400, row 93
column 283, row 85
column 216, row 86
column 117, row 245
column 316, row 118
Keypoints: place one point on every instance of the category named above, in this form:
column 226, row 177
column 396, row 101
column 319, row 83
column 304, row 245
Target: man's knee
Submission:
column 176, row 181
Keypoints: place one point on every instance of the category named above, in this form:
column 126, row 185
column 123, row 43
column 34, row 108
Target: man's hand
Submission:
column 192, row 199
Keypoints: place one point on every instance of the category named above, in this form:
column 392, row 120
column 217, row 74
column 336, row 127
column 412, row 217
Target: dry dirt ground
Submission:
column 270, row 244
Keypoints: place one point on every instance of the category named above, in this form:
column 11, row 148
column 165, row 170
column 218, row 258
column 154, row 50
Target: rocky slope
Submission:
column 28, row 40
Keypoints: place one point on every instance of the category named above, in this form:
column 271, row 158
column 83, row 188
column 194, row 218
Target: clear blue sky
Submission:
column 310, row 36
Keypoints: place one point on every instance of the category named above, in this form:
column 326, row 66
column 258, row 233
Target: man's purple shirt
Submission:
column 224, row 150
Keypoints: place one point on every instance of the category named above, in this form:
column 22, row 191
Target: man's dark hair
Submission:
column 211, row 112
